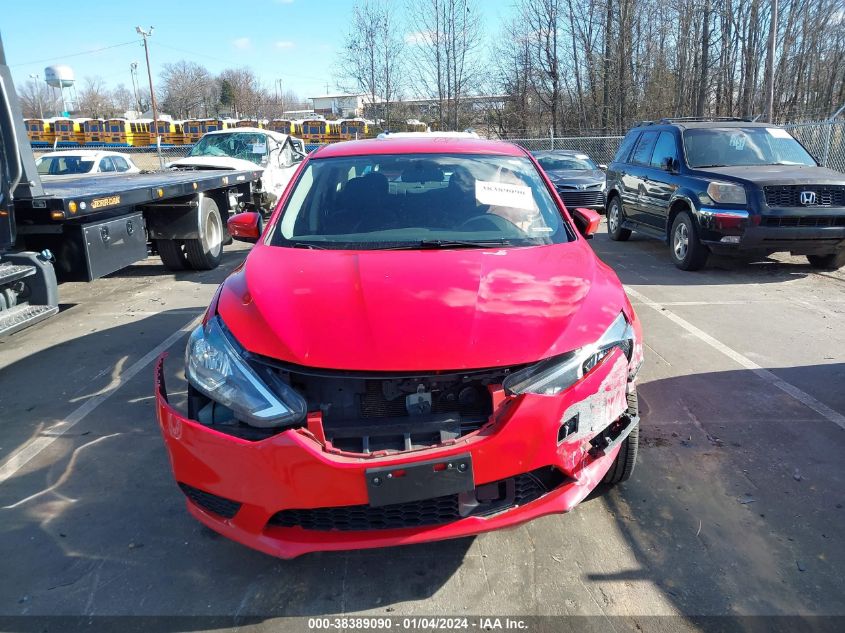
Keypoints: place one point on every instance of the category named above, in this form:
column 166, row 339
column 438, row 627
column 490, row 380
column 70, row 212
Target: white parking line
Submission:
column 29, row 451
column 788, row 388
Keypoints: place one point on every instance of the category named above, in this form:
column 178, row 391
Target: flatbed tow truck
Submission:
column 81, row 228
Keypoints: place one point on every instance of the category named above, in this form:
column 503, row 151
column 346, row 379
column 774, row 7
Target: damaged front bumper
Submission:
column 294, row 493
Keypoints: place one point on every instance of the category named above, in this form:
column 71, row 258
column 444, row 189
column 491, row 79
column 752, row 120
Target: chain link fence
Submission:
column 145, row 158
column 824, row 139
column 600, row 148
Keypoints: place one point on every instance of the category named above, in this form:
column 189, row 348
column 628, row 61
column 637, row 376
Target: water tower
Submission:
column 61, row 77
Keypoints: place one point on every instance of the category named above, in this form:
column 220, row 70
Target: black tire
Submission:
column 172, row 254
column 626, row 460
column 615, row 217
column 686, row 250
column 206, row 252
column 834, row 261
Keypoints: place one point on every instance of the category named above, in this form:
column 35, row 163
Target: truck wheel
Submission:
column 615, row 218
column 172, row 255
column 626, row 460
column 834, row 261
column 206, row 252
column 687, row 252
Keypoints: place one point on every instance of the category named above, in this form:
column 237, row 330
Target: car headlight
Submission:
column 726, row 193
column 551, row 376
column 213, row 365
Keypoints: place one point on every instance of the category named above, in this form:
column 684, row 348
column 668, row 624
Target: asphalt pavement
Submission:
column 735, row 508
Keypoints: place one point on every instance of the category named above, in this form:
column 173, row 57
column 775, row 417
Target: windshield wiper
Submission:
column 311, row 245
column 707, row 166
column 435, row 244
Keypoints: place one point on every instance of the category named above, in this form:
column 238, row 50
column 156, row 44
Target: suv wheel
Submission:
column 688, row 253
column 615, row 217
column 834, row 261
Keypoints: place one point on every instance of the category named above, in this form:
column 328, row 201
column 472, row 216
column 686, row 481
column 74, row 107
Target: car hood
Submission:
column 576, row 176
column 214, row 162
column 419, row 310
column 779, row 174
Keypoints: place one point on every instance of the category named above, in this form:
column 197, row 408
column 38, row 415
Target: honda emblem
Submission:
column 808, row 198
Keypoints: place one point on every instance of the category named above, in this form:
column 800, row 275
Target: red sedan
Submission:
column 421, row 345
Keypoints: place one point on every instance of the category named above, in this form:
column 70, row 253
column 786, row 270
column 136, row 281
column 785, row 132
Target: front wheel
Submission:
column 615, row 217
column 626, row 460
column 834, row 261
column 206, row 252
column 687, row 251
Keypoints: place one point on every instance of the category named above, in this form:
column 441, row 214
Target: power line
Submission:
column 61, row 57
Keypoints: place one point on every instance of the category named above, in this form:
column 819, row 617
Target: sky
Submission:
column 296, row 41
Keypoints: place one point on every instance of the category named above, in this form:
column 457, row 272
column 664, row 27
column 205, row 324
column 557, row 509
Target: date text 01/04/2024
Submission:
column 417, row 623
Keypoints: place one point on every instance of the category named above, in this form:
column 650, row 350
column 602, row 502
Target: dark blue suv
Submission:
column 707, row 186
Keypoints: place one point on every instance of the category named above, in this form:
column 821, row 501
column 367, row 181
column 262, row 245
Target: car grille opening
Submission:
column 814, row 221
column 573, row 198
column 367, row 412
column 221, row 506
column 487, row 499
column 790, row 195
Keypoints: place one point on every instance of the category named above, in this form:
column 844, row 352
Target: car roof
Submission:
column 418, row 145
column 683, row 125
column 90, row 153
column 560, row 152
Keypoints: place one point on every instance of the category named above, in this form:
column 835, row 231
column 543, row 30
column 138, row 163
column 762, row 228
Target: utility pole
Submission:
column 38, row 88
column 144, row 35
column 770, row 64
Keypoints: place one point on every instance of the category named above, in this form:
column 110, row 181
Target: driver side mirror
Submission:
column 245, row 227
column 586, row 221
column 669, row 164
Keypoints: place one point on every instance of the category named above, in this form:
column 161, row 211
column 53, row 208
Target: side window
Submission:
column 642, row 152
column 626, row 146
column 666, row 147
column 106, row 164
column 119, row 163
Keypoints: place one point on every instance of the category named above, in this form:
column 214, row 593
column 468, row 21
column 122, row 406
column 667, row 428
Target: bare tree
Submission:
column 242, row 92
column 446, row 53
column 95, row 99
column 371, row 57
column 37, row 100
column 186, row 89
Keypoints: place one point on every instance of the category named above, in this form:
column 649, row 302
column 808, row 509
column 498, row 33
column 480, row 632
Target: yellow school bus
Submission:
column 40, row 132
column 171, row 133
column 68, row 132
column 283, row 126
column 248, row 123
column 94, row 131
column 314, row 130
column 351, row 129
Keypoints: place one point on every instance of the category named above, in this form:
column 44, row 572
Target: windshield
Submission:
column 419, row 201
column 244, row 145
column 728, row 147
column 560, row 163
column 64, row 165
